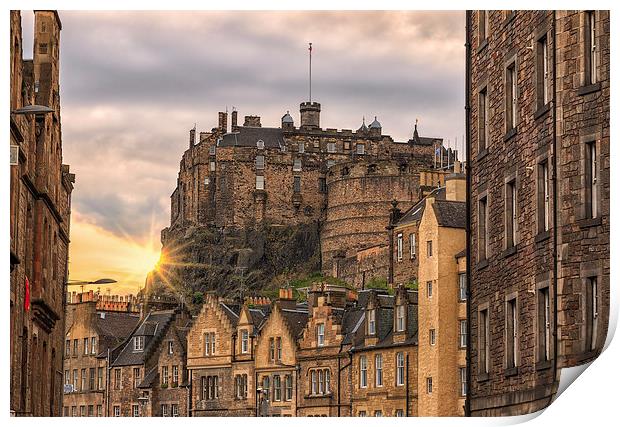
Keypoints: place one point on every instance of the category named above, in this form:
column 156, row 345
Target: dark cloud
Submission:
column 133, row 84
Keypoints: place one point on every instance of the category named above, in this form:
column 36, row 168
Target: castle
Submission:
column 246, row 175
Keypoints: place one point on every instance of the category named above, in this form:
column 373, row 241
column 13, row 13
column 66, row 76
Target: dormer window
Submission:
column 138, row 343
column 371, row 322
column 244, row 341
column 400, row 318
column 260, row 144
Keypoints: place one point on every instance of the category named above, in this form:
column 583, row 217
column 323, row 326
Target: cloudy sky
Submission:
column 134, row 83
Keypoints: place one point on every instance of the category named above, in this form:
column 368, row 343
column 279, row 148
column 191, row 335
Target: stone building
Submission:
column 91, row 333
column 147, row 372
column 40, row 208
column 384, row 355
column 537, row 109
column 221, row 357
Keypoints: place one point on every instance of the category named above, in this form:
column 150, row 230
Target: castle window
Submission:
column 297, row 165
column 260, row 162
column 117, row 378
column 302, row 148
column 164, row 410
column 75, row 347
column 483, row 119
column 266, row 386
column 320, row 375
column 91, row 379
column 138, row 343
column 361, row 414
column 135, row 411
column 212, row 150
column 542, row 71
column 511, row 97
column 363, row 372
column 260, row 182
column 544, row 325
column 331, row 147
column 297, row 184
column 483, row 341
column 431, row 336
column 399, row 246
column 278, row 349
column 67, row 348
column 206, row 181
column 209, row 338
column 117, row 411
column 511, row 214
column 99, row 378
column 313, row 382
column 400, row 368
column 244, row 341
column 378, row 413
column 379, row 370
column 411, row 245
column 371, row 322
column 543, row 197
column 320, row 334
column 260, row 144
column 591, row 177
column 359, row 148
column 511, row 333
column 591, row 60
column 400, row 318
column 462, row 286
column 462, row 333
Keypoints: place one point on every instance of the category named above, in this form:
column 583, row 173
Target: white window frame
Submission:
column 260, row 144
column 400, row 368
column 372, row 326
column 429, row 385
column 593, row 283
column 138, row 343
column 117, row 410
column 591, row 16
column 297, row 165
column 462, row 333
column 463, row 378
column 360, row 149
column 212, row 166
column 378, row 370
column 432, row 336
column 170, row 347
column 363, row 372
column 135, row 410
column 320, row 334
column 175, row 374
column 400, row 318
column 244, row 340
column 331, row 147
column 301, row 148
column 259, row 162
column 399, row 246
column 93, row 345
column 164, row 409
column 412, row 245
column 462, row 286
column 260, row 182
column 175, row 409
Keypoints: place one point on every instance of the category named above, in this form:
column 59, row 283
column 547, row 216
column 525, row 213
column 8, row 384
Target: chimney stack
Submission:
column 233, row 121
column 252, row 121
column 222, row 122
column 192, row 137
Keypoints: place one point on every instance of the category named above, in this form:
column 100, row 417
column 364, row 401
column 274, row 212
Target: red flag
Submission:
column 27, row 296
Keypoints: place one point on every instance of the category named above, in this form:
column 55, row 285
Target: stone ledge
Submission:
column 584, row 90
column 509, row 251
column 510, row 134
column 589, row 222
column 542, row 111
column 542, row 236
column 482, row 45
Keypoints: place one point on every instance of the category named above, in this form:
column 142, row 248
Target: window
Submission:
column 260, row 144
column 482, row 229
column 99, row 378
column 278, row 349
column 400, row 318
column 322, row 185
column 135, row 411
column 330, row 163
column 321, row 377
column 463, row 377
column 117, row 379
column 206, row 181
column 429, row 248
column 462, row 333
column 91, row 411
column 331, row 147
column 93, row 345
column 511, row 97
column 288, row 383
column 483, row 26
column 170, row 347
column 591, row 312
column 43, row 48
column 244, row 341
column 400, row 368
column 483, row 337
column 297, row 165
column 361, row 414
column 74, row 411
column 75, row 347
column 175, row 409
column 209, row 388
column 543, row 197
column 260, row 162
column 462, row 286
column 209, row 343
column 75, row 380
column 363, row 372
column 212, row 166
column 86, row 340
column 371, row 322
column 412, row 245
column 83, row 411
column 68, row 348
column 431, row 336
column 400, row 413
column 203, row 388
column 175, row 375
column 302, row 148
column 266, row 386
column 117, row 411
column 378, row 413
column 399, row 246
column 379, row 370
column 260, row 182
column 84, row 379
column 327, row 381
column 429, row 385
column 314, row 382
column 511, row 214
column 544, row 325
column 164, row 410
column 164, row 375
column 511, row 333
column 91, row 379
column 277, row 388
column 320, row 334
column 138, row 343
column 542, row 71
column 297, row 184
column 429, row 289
column 99, row 410
column 212, row 150
column 591, row 180
column 591, row 60
column 483, row 119
column 359, row 148
column 272, row 349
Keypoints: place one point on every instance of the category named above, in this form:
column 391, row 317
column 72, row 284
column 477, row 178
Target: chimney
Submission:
column 252, row 121
column 222, row 124
column 233, row 121
column 286, row 299
column 455, row 187
column 310, row 115
column 192, row 137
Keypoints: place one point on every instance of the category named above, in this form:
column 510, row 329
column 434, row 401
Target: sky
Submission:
column 134, row 83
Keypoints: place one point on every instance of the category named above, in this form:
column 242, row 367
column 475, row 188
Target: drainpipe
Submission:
column 555, row 213
column 407, row 385
column 107, row 383
column 190, row 387
column 468, row 18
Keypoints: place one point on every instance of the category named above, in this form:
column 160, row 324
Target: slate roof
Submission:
column 246, row 136
column 232, row 312
column 114, row 328
column 149, row 378
column 153, row 328
column 416, row 211
column 450, row 213
column 461, row 254
column 295, row 319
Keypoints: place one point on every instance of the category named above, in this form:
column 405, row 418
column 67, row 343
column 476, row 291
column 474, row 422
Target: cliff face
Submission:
column 233, row 262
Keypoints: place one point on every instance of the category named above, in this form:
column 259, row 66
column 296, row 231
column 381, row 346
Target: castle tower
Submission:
column 310, row 114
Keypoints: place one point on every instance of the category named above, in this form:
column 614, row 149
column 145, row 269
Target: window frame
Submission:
column 400, row 369
column 399, row 247
column 378, row 370
column 363, row 363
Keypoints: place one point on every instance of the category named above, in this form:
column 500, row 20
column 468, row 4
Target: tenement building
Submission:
column 40, row 207
column 91, row 335
column 538, row 254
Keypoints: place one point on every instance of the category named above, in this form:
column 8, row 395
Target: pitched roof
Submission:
column 416, row 211
column 295, row 319
column 246, row 136
column 114, row 328
column 232, row 312
column 450, row 213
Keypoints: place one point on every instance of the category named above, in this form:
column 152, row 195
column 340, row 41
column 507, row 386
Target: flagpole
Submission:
column 310, row 71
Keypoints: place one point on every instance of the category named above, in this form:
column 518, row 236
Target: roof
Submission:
column 450, row 213
column 416, row 211
column 232, row 312
column 114, row 328
column 153, row 328
column 247, row 136
column 375, row 124
column 287, row 118
column 149, row 378
column 295, row 319
column 461, row 254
